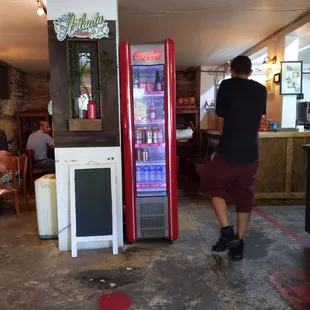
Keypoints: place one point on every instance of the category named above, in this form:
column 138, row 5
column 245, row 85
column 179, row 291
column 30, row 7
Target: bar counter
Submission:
column 282, row 172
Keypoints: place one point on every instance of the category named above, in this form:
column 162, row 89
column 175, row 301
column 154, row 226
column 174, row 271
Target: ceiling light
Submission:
column 304, row 48
column 268, row 63
column 41, row 10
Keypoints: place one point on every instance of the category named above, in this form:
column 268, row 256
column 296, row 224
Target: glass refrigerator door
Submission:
column 149, row 120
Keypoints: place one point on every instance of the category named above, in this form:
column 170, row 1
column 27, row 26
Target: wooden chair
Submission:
column 18, row 185
column 32, row 172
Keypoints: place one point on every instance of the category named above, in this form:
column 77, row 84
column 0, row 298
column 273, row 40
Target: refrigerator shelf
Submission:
column 150, row 145
column 151, row 162
column 149, row 122
column 151, row 185
column 154, row 94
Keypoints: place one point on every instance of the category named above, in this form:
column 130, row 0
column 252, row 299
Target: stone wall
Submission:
column 27, row 91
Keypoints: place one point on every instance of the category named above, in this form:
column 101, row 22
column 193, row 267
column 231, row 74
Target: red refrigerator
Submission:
column 148, row 99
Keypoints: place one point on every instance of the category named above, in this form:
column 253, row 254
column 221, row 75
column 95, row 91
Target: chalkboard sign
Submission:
column 93, row 202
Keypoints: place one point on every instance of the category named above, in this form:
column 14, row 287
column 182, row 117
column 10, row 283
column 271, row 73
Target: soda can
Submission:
column 139, row 154
column 139, row 174
column 155, row 135
column 138, row 135
column 145, row 155
column 150, row 87
column 146, row 174
column 152, row 173
column 143, row 85
column 149, row 136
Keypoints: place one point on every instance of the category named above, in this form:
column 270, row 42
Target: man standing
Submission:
column 241, row 103
column 39, row 142
column 3, row 151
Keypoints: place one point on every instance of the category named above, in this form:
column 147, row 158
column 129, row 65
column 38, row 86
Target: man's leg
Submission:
column 219, row 173
column 243, row 195
column 44, row 164
column 220, row 207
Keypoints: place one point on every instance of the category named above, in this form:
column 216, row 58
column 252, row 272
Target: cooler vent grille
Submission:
column 152, row 220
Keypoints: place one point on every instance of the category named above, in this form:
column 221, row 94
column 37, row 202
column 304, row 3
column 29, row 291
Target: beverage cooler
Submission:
column 149, row 140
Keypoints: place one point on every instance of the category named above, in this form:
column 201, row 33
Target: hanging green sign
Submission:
column 81, row 27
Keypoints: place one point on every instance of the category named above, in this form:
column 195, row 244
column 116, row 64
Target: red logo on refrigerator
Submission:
column 151, row 55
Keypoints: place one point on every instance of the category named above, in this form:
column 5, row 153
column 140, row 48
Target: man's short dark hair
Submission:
column 241, row 65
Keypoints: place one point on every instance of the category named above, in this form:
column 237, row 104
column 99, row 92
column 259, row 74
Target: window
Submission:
column 83, row 77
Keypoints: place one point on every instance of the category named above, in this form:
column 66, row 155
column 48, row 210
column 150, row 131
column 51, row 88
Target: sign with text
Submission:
column 149, row 54
column 81, row 27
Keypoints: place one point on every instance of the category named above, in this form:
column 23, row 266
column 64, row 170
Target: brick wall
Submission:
column 27, row 91
column 186, row 83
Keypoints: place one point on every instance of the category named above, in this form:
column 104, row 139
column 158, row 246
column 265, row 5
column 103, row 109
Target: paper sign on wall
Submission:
column 81, row 27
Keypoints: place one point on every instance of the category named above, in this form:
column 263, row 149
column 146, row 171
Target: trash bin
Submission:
column 46, row 203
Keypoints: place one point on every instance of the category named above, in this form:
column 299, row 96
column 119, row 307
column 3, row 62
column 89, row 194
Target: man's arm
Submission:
column 265, row 102
column 221, row 106
column 49, row 141
column 264, row 111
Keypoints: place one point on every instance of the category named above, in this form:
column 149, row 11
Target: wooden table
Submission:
column 281, row 176
column 306, row 147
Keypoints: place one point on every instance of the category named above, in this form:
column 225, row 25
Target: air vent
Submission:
column 152, row 218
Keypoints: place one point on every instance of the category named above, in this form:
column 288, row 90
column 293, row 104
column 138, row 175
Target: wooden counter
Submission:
column 281, row 176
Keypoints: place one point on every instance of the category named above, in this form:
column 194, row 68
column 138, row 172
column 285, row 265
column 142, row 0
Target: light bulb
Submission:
column 40, row 11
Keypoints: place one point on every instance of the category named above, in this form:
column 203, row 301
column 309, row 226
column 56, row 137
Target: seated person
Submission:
column 40, row 141
column 3, row 151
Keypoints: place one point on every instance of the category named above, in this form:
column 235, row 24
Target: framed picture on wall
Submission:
column 291, row 78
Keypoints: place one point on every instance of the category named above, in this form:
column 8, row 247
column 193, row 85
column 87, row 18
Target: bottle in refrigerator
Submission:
column 155, row 135
column 163, row 81
column 136, row 81
column 152, row 173
column 158, row 173
column 159, row 135
column 152, row 110
column 139, row 174
column 158, row 86
column 145, row 155
column 143, row 130
column 139, row 154
column 163, row 174
column 138, row 135
column 149, row 136
column 146, row 174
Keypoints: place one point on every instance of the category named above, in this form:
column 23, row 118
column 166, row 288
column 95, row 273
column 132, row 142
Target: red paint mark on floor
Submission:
column 303, row 292
column 284, row 229
column 114, row 301
column 296, row 295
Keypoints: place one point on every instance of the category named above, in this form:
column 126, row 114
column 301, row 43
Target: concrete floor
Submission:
column 182, row 275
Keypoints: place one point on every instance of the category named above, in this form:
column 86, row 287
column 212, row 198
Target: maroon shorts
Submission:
column 237, row 181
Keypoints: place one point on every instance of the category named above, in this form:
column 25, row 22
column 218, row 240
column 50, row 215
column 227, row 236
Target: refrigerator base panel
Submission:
column 152, row 217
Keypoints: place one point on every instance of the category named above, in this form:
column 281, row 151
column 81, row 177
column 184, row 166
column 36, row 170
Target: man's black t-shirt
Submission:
column 241, row 102
column 3, row 141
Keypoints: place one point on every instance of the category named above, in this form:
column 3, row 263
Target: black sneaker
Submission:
column 226, row 241
column 236, row 252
